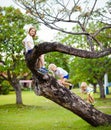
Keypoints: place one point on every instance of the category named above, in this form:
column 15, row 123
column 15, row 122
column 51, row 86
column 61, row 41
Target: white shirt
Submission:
column 28, row 43
column 89, row 90
column 60, row 72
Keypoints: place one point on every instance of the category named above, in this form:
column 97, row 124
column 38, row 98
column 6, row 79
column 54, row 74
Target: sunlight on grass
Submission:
column 39, row 113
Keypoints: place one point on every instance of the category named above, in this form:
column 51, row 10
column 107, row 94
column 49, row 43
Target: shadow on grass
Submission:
column 21, row 106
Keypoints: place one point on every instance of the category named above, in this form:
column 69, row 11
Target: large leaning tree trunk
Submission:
column 49, row 88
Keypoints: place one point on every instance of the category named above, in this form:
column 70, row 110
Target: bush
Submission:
column 4, row 88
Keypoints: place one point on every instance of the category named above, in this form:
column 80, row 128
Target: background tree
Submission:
column 13, row 65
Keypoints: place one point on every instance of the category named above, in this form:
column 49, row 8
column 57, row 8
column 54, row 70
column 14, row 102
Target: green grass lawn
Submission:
column 39, row 113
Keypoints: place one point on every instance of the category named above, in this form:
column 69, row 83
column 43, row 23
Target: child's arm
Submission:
column 29, row 44
column 52, row 73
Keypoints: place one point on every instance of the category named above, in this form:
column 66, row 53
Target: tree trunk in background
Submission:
column 101, row 87
column 95, row 88
column 18, row 92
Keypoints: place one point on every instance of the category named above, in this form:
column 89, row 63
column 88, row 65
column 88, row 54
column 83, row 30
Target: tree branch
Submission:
column 46, row 47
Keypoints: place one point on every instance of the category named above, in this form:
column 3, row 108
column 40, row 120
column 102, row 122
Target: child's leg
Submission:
column 41, row 61
column 90, row 98
column 60, row 82
column 41, row 65
column 65, row 83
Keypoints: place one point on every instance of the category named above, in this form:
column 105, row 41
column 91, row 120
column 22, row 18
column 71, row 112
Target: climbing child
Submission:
column 89, row 91
column 61, row 74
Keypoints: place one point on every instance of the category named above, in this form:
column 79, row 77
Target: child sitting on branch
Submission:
column 28, row 43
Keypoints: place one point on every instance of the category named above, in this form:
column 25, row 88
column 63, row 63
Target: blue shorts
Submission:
column 66, row 77
column 29, row 51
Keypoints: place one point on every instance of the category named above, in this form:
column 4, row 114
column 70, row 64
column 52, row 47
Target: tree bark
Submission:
column 12, row 78
column 95, row 90
column 102, row 92
column 18, row 92
column 49, row 88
